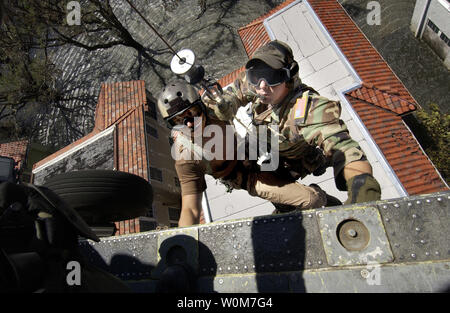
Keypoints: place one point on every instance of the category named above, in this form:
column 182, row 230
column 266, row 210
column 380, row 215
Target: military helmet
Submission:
column 176, row 98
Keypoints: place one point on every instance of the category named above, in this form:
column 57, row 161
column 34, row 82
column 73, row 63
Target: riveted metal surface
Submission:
column 245, row 283
column 418, row 227
column 226, row 248
column 411, row 277
column 128, row 257
column 377, row 248
column 275, row 243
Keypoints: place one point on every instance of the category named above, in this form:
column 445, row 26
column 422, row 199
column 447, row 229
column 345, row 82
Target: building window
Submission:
column 445, row 39
column 174, row 214
column 433, row 26
column 156, row 174
column 151, row 109
column 151, row 131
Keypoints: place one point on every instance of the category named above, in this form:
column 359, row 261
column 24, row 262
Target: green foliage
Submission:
column 437, row 126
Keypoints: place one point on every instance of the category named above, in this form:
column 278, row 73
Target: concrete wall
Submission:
column 95, row 153
column 435, row 18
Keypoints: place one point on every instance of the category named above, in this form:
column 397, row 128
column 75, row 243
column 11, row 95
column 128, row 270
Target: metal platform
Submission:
column 397, row 245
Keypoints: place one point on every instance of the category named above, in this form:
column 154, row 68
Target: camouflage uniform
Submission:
column 306, row 120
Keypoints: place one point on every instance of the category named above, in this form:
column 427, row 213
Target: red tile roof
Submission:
column 380, row 101
column 401, row 149
column 16, row 150
column 364, row 58
column 123, row 104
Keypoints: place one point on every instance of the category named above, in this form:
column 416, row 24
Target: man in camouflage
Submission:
column 273, row 88
column 181, row 107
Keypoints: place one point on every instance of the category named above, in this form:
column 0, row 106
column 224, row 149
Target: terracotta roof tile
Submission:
column 383, row 98
column 399, row 147
column 16, row 150
column 368, row 63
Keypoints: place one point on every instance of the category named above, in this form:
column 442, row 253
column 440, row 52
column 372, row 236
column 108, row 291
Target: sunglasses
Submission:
column 272, row 77
column 186, row 116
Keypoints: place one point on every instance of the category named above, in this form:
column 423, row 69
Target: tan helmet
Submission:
column 176, row 98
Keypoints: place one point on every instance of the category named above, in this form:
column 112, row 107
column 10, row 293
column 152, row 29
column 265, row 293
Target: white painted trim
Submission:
column 76, row 148
column 321, row 27
column 206, row 208
column 445, row 4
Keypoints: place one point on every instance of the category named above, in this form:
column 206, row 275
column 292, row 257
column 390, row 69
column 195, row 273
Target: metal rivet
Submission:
column 240, row 224
column 273, row 220
column 428, row 200
column 414, row 215
column 282, row 219
column 417, row 229
column 418, row 202
column 396, row 205
column 288, row 252
column 281, row 264
column 245, row 267
column 365, row 273
column 235, row 257
column 409, row 204
column 422, row 241
column 224, row 226
column 427, row 253
column 413, row 255
column 352, row 233
column 386, row 219
column 232, row 226
column 228, row 268
column 384, row 206
column 290, row 218
column 286, row 240
column 220, row 269
column 221, row 281
column 284, row 229
column 309, row 215
column 320, row 215
column 309, row 263
column 271, row 265
column 437, row 253
column 265, row 221
column 256, row 222
column 320, row 262
column 249, row 223
column 439, row 199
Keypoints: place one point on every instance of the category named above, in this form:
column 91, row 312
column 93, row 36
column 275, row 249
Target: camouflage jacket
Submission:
column 305, row 121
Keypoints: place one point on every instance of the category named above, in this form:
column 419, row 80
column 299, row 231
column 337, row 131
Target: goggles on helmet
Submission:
column 187, row 115
column 272, row 77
